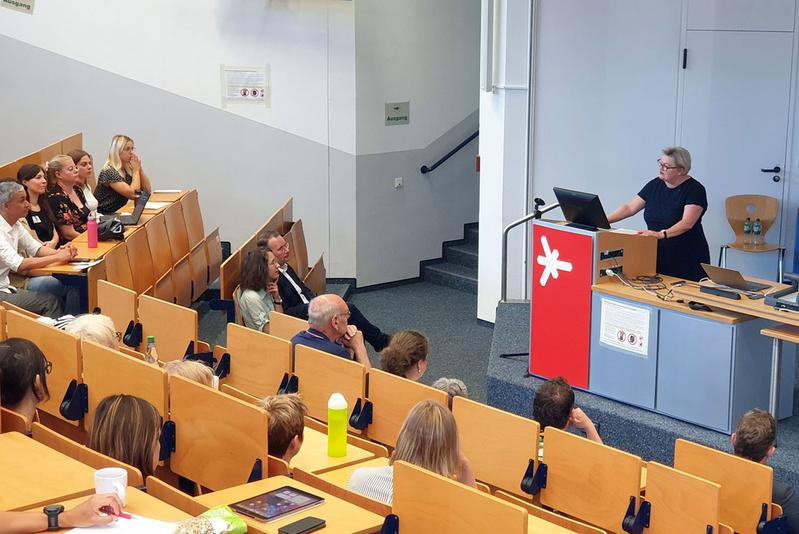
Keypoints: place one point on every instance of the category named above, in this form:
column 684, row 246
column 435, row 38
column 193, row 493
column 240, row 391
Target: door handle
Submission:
column 772, row 171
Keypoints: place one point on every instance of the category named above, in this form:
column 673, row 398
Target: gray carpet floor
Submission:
column 459, row 345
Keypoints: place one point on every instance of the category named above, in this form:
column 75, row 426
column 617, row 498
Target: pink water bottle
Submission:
column 91, row 229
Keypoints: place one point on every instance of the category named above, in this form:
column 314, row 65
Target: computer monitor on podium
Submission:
column 583, row 210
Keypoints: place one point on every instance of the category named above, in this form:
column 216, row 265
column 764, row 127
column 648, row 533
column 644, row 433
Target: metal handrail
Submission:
column 425, row 169
column 537, row 213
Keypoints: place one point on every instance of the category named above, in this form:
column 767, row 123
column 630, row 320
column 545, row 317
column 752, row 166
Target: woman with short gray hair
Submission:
column 674, row 204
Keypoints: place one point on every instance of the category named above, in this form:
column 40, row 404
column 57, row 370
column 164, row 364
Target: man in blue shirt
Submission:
column 329, row 331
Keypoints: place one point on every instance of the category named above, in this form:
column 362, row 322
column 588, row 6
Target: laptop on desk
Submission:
column 731, row 278
column 133, row 218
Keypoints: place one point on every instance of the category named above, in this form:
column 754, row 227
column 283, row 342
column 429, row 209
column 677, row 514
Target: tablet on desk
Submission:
column 277, row 503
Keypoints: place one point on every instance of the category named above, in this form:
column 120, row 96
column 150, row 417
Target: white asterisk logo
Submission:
column 551, row 262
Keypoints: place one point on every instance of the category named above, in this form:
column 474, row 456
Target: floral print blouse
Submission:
column 65, row 211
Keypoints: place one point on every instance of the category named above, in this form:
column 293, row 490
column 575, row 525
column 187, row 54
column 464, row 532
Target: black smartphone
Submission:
column 303, row 526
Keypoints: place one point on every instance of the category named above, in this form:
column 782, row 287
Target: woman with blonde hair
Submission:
column 94, row 327
column 66, row 199
column 428, row 439
column 85, row 164
column 121, row 177
column 127, row 429
column 193, row 370
column 405, row 355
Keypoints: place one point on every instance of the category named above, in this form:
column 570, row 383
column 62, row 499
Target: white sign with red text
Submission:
column 624, row 327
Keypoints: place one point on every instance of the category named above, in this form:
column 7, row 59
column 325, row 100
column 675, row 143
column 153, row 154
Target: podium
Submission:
column 567, row 261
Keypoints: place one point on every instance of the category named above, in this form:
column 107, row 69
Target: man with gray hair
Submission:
column 329, row 331
column 41, row 295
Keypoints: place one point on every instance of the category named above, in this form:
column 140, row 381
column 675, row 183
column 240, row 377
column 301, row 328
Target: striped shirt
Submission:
column 374, row 482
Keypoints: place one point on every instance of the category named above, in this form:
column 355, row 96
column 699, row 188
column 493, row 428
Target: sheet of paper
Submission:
column 624, row 327
column 156, row 205
column 83, row 265
column 136, row 524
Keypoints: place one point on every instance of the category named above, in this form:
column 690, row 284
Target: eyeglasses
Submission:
column 665, row 167
column 347, row 315
column 48, row 366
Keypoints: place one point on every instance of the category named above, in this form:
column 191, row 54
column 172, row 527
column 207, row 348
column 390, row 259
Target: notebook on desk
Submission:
column 133, row 218
column 731, row 278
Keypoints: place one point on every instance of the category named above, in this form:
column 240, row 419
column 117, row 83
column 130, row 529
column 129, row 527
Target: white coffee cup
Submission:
column 111, row 480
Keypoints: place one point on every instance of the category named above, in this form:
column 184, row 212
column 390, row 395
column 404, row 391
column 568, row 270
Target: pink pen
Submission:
column 110, row 511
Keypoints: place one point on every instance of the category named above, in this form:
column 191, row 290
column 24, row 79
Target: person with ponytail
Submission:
column 406, row 355
column 121, row 177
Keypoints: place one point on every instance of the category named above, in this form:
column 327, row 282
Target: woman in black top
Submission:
column 673, row 205
column 122, row 176
column 39, row 218
column 66, row 198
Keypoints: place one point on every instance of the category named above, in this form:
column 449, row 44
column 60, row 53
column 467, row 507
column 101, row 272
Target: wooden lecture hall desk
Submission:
column 313, row 457
column 784, row 328
column 32, row 474
column 340, row 476
column 137, row 503
column 340, row 516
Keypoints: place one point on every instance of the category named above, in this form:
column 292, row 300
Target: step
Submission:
column 471, row 233
column 462, row 254
column 451, row 275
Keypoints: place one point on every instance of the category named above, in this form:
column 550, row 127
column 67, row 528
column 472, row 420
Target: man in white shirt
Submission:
column 13, row 238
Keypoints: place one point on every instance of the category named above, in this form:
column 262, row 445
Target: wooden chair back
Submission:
column 117, row 302
column 499, row 444
column 680, row 502
column 278, row 467
column 83, row 454
column 174, row 497
column 227, row 389
column 43, row 155
column 193, row 218
column 7, row 306
column 258, row 361
column 117, row 266
column 392, row 398
column 572, row 525
column 218, row 438
column 738, row 209
column 213, row 252
column 321, row 374
column 316, row 279
column 158, row 240
column 198, row 268
column 172, row 325
column 279, row 219
column 615, row 476
column 298, row 252
column 237, row 306
column 229, row 275
column 176, row 229
column 181, row 278
column 13, row 422
column 428, row 503
column 103, row 369
column 141, row 263
column 164, row 287
column 745, row 485
column 60, row 348
column 285, row 326
column 352, row 497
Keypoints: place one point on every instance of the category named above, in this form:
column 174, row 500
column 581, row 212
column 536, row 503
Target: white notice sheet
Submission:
column 624, row 326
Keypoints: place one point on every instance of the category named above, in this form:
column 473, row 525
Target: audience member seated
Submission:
column 756, row 439
column 329, row 332
column 83, row 160
column 428, row 439
column 121, row 177
column 39, row 218
column 95, row 327
column 91, row 512
column 286, row 424
column 553, row 405
column 453, row 386
column 296, row 295
column 44, row 294
column 23, row 377
column 405, row 355
column 127, row 429
column 66, row 198
column 192, row 370
column 258, row 293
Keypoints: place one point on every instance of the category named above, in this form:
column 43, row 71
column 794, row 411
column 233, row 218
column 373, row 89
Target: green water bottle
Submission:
column 337, row 426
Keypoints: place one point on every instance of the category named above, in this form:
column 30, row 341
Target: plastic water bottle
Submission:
column 747, row 232
column 91, row 229
column 337, row 426
column 757, row 230
column 152, row 354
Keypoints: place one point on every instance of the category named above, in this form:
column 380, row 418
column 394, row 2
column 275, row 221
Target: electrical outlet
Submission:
column 398, row 182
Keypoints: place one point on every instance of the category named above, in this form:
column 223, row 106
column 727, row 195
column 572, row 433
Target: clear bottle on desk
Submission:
column 747, row 232
column 757, row 231
column 152, row 355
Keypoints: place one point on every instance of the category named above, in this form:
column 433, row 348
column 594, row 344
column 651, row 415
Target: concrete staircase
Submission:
column 457, row 268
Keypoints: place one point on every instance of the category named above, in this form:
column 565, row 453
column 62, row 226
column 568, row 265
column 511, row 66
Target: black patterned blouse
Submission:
column 65, row 211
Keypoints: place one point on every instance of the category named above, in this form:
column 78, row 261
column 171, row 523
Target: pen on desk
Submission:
column 110, row 511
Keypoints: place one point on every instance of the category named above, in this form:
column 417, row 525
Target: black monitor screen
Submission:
column 581, row 209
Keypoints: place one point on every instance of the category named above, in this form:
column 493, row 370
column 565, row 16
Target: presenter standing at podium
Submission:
column 673, row 205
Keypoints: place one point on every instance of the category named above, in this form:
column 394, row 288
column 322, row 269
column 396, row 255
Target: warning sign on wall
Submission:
column 624, row 326
column 246, row 85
